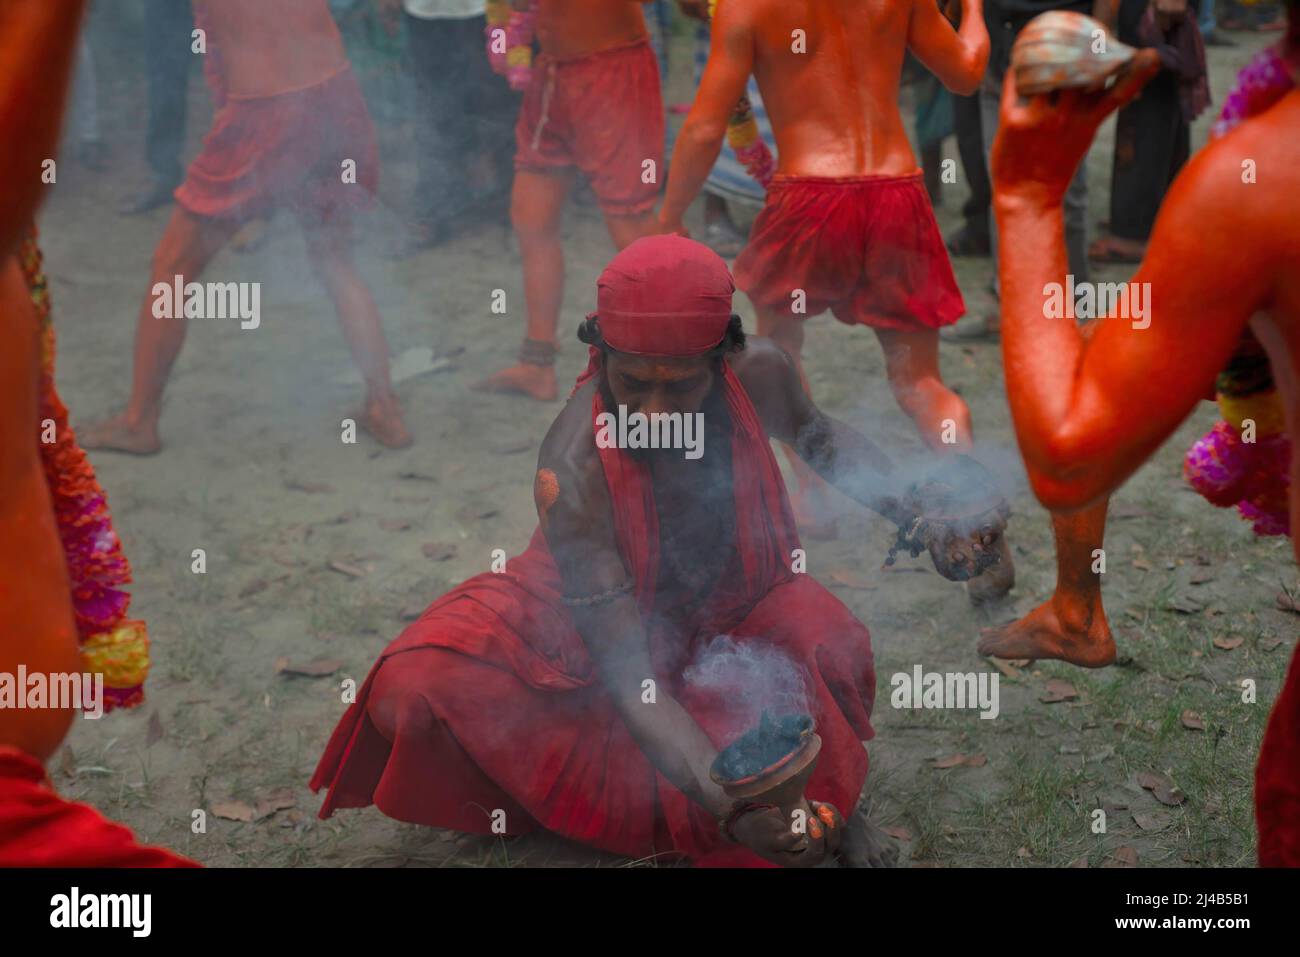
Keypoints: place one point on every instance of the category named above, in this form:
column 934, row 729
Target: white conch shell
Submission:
column 1063, row 50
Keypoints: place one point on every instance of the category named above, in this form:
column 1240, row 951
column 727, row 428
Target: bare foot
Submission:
column 120, row 434
column 814, row 517
column 522, row 379
column 383, row 420
column 1082, row 639
column 866, row 845
column 996, row 581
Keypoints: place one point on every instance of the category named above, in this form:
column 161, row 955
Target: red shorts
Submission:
column 602, row 113
column 865, row 247
column 286, row 150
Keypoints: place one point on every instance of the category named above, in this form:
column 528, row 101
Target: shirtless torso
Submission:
column 567, row 29
column 256, row 62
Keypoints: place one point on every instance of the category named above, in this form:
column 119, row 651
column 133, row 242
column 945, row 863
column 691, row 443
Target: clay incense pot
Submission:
column 771, row 763
column 1064, row 50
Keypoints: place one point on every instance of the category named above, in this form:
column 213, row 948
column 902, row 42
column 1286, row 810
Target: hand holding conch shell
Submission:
column 1067, row 75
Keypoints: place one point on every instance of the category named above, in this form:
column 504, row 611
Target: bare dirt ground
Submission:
column 254, row 473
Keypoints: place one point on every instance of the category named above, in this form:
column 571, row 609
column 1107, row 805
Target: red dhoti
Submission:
column 40, row 829
column 290, row 149
column 1277, row 778
column 865, row 247
column 489, row 701
column 603, row 114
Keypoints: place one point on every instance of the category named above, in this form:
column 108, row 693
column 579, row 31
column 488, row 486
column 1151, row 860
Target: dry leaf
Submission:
column 1185, row 605
column 233, row 811
column 1058, row 690
column 438, row 551
column 320, row 668
column 1227, row 644
column 394, row 524
column 899, row 832
column 1192, row 721
column 1123, row 857
column 1169, row 796
column 1149, row 780
column 1005, row 667
column 154, row 731
column 1287, row 602
column 1201, row 576
column 849, row 579
column 352, row 571
column 1024, row 854
column 1154, row 821
column 951, row 761
column 1141, row 565
column 312, row 488
column 276, row 801
column 1268, row 644
column 1079, row 861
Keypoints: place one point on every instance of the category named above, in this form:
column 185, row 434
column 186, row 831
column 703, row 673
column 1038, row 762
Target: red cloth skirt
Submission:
column 865, row 247
column 286, row 150
column 1277, row 777
column 602, row 113
column 40, row 829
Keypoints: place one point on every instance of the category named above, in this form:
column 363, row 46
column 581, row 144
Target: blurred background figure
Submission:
column 1153, row 133
column 166, row 43
column 83, row 138
column 464, row 116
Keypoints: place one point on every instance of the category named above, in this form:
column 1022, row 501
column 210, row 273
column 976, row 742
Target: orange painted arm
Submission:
column 37, row 629
column 37, row 44
column 731, row 58
column 957, row 57
column 1089, row 410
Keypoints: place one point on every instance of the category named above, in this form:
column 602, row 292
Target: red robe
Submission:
column 40, row 829
column 1277, row 778
column 492, row 704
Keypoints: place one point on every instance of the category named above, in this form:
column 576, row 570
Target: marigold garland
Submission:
column 112, row 644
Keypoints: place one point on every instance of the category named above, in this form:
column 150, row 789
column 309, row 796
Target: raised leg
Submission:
column 187, row 246
column 535, row 208
column 912, row 365
column 329, row 247
column 1071, row 625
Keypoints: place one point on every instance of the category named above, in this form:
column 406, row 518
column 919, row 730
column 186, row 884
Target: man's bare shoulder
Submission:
column 569, row 452
column 771, row 381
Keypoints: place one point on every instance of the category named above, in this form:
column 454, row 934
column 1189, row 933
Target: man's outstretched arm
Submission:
column 1088, row 410
column 731, row 58
column 837, row 452
column 957, row 57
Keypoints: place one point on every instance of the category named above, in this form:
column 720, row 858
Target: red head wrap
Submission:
column 664, row 296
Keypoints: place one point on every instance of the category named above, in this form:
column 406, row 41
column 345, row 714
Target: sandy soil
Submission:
column 255, row 474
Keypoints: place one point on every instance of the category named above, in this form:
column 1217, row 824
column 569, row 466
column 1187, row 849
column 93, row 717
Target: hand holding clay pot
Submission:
column 767, row 769
column 772, row 836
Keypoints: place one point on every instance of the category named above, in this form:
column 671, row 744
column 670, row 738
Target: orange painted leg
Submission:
column 1072, row 624
column 329, row 247
column 536, row 207
column 187, row 246
column 625, row 230
column 912, row 364
column 811, row 497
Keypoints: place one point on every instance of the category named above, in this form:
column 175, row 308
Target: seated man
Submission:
column 1090, row 409
column 560, row 693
